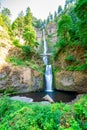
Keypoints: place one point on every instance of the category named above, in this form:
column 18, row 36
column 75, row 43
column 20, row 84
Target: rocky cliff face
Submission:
column 19, row 79
column 71, row 81
column 5, row 46
column 50, row 32
column 14, row 78
column 38, row 35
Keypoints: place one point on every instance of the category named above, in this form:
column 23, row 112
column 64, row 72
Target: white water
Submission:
column 48, row 78
column 48, row 71
column 45, row 59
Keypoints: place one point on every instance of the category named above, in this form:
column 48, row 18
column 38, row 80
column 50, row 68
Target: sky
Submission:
column 39, row 8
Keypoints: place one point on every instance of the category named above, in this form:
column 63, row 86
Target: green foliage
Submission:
column 81, row 11
column 70, row 58
column 28, row 17
column 35, row 116
column 82, row 67
column 16, row 43
column 61, row 43
column 56, row 70
column 81, row 114
column 24, row 62
column 63, row 32
column 6, row 20
column 6, row 12
column 5, row 101
column 26, row 50
column 37, row 22
column 26, row 117
column 81, row 7
column 22, row 26
column 2, row 22
column 18, row 25
column 64, row 25
column 29, row 35
column 15, row 61
column 59, row 9
column 85, row 56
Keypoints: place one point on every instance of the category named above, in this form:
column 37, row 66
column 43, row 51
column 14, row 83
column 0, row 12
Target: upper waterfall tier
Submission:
column 45, row 58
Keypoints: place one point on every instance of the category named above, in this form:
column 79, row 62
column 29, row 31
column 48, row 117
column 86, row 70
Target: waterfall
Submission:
column 48, row 77
column 48, row 71
column 45, row 59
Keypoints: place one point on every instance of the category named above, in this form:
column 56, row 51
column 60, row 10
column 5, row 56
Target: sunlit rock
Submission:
column 48, row 98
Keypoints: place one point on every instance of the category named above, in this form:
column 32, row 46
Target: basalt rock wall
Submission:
column 71, row 81
column 20, row 79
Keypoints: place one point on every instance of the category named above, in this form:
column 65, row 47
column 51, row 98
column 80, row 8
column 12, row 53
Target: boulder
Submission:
column 23, row 99
column 48, row 98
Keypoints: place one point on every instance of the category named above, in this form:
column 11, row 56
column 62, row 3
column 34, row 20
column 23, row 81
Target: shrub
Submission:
column 15, row 61
column 70, row 58
column 4, row 105
column 26, row 50
column 32, row 117
column 16, row 43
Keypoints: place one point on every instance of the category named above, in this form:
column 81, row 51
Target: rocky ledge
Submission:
column 19, row 79
column 71, row 81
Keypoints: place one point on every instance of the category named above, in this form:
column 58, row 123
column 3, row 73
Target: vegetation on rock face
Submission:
column 72, row 36
column 63, row 32
column 23, row 37
column 71, row 33
column 81, row 12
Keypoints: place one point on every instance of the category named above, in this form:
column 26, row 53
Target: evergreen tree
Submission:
column 81, row 11
column 28, row 17
column 29, row 36
column 74, row 32
column 55, row 15
column 48, row 19
column 29, row 33
column 6, row 12
column 18, row 24
column 63, row 32
column 37, row 22
column 50, row 16
column 59, row 9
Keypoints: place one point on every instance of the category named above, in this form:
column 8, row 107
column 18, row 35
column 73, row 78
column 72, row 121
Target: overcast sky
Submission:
column 39, row 8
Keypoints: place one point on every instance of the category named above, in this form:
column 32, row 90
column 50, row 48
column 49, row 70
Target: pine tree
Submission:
column 81, row 11
column 59, row 9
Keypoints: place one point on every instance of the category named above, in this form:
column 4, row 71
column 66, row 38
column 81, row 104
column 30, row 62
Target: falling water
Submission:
column 45, row 59
column 48, row 71
column 48, row 78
